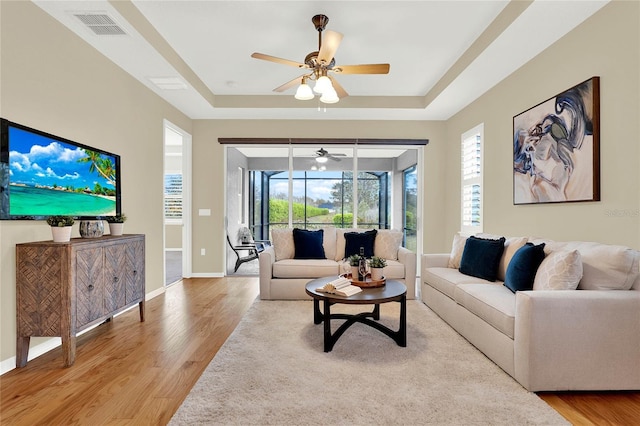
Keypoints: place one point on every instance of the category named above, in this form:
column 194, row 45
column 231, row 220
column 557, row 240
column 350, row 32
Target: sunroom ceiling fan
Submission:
column 320, row 65
column 322, row 156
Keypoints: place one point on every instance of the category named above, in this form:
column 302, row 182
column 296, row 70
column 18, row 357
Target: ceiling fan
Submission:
column 320, row 65
column 322, row 156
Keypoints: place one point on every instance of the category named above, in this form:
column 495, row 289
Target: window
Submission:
column 471, row 181
column 410, row 208
column 173, row 196
column 318, row 199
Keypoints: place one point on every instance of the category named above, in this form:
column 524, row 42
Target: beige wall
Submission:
column 173, row 236
column 53, row 81
column 606, row 45
column 208, row 231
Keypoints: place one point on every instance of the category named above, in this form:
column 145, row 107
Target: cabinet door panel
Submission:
column 89, row 285
column 135, row 267
column 115, row 277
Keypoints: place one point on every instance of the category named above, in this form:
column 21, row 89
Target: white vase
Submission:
column 116, row 228
column 376, row 274
column 61, row 234
column 354, row 272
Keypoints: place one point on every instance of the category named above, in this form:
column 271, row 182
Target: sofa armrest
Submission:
column 434, row 260
column 577, row 340
column 408, row 259
column 266, row 260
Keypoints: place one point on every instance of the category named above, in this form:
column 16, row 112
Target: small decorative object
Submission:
column 362, row 266
column 91, row 228
column 116, row 224
column 244, row 235
column 377, row 264
column 556, row 148
column 60, row 228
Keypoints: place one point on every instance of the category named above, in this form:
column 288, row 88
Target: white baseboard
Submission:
column 207, row 275
column 52, row 343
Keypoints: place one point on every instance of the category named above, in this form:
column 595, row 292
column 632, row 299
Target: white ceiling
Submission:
column 443, row 54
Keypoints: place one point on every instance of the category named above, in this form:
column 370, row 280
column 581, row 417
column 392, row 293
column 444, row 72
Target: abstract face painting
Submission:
column 556, row 148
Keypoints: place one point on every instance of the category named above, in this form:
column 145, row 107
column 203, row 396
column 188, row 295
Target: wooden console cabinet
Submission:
column 63, row 288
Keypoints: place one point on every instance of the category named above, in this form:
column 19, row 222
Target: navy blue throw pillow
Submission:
column 481, row 257
column 355, row 240
column 523, row 267
column 308, row 244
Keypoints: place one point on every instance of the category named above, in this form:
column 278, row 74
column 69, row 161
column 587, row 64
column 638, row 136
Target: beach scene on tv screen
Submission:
column 50, row 177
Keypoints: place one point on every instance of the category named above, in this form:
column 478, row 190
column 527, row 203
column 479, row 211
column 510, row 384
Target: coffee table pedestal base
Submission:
column 399, row 336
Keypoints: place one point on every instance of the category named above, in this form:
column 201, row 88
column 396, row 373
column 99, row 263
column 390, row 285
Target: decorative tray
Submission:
column 367, row 283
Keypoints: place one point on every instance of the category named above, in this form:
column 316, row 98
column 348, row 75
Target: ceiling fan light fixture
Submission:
column 322, row 84
column 304, row 92
column 329, row 96
column 322, row 159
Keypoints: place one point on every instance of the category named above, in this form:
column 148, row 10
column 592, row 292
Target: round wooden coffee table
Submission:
column 393, row 291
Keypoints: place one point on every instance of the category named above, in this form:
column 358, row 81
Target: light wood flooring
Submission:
column 127, row 372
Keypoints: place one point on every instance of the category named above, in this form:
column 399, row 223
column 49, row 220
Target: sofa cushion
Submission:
column 283, row 243
column 605, row 267
column 329, row 242
column 308, row 244
column 387, row 243
column 445, row 279
column 356, row 240
column 494, row 303
column 340, row 241
column 560, row 270
column 305, row 268
column 523, row 266
column 481, row 257
column 457, row 247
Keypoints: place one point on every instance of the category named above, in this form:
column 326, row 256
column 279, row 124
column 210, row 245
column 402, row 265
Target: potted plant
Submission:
column 377, row 263
column 60, row 228
column 116, row 223
column 354, row 261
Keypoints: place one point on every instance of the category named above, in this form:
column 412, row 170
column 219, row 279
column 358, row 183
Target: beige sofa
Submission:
column 283, row 277
column 550, row 339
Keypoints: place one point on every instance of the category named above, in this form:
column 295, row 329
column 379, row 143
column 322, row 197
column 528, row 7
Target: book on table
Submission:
column 340, row 286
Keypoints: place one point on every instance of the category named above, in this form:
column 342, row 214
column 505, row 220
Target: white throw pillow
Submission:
column 560, row 270
column 387, row 243
column 456, row 250
column 329, row 242
column 283, row 243
column 511, row 246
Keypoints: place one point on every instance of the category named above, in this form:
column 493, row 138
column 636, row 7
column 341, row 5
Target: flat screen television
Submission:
column 44, row 175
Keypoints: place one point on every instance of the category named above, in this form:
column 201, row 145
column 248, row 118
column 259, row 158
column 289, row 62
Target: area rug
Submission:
column 272, row 371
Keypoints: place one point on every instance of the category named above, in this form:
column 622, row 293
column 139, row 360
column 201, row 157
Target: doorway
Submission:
column 177, row 204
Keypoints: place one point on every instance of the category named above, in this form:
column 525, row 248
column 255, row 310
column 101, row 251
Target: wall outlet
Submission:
column 202, row 252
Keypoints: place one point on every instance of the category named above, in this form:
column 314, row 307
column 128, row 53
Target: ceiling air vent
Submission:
column 100, row 23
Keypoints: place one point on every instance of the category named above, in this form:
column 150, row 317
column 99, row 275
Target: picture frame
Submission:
column 556, row 148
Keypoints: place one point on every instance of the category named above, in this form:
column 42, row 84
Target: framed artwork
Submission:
column 556, row 148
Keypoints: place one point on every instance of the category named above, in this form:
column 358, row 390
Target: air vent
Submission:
column 100, row 23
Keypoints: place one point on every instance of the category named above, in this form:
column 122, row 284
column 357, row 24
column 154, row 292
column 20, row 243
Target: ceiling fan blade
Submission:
column 331, row 157
column 288, row 84
column 278, row 60
column 338, row 88
column 362, row 69
column 330, row 42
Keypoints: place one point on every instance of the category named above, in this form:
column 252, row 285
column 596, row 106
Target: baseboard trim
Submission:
column 207, row 275
column 52, row 343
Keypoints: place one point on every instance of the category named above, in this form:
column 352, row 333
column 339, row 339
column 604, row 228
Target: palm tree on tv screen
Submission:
column 104, row 166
